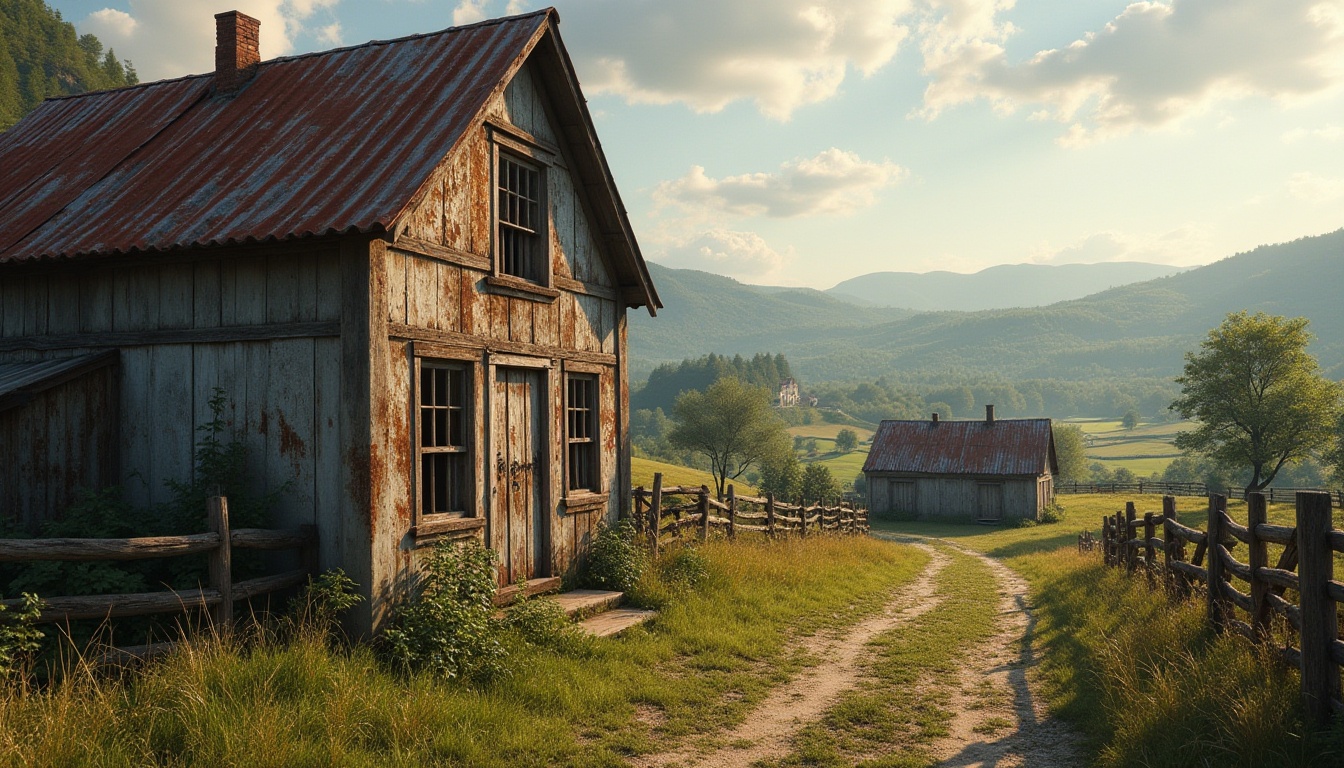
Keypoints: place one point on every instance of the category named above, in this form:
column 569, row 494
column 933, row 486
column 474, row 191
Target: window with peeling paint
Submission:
column 519, row 224
column 445, row 479
column 581, row 427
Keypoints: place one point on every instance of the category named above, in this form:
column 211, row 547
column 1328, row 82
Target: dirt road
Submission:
column 996, row 720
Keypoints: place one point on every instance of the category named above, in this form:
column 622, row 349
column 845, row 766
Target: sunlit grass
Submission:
column 699, row 666
column 903, row 703
column 1145, row 681
column 643, row 470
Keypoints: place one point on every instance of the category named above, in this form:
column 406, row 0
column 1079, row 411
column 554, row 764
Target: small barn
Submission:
column 405, row 263
column 988, row 470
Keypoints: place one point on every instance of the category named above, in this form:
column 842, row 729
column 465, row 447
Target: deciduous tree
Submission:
column 732, row 425
column 846, row 440
column 1070, row 453
column 1257, row 396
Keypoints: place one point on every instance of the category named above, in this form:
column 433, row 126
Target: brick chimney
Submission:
column 935, row 417
column 237, row 50
column 989, row 414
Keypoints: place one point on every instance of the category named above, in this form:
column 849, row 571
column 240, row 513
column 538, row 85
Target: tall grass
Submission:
column 710, row 655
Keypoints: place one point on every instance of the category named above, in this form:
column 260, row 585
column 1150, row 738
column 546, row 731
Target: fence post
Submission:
column 1214, row 562
column 1131, row 551
column 732, row 511
column 221, row 562
column 655, row 513
column 770, row 515
column 1149, row 554
column 704, row 513
column 802, row 518
column 1316, row 566
column 1170, row 544
column 1258, row 558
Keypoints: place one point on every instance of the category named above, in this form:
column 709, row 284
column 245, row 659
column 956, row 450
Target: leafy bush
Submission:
column 616, row 560
column 541, row 621
column 446, row 626
column 318, row 607
column 1052, row 513
column 685, row 567
column 19, row 638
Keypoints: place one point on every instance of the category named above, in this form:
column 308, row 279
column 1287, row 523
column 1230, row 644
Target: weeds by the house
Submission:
column 616, row 560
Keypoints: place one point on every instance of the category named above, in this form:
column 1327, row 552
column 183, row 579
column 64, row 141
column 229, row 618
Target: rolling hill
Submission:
column 1141, row 329
column 1000, row 287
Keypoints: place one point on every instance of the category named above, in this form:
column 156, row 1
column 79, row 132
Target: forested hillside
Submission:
column 1139, row 330
column 41, row 55
column 998, row 287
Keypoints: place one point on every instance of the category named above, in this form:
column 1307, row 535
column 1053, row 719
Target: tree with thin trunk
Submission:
column 1257, row 396
column 733, row 425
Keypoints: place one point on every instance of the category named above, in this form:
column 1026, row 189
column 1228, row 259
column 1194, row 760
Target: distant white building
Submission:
column 788, row 394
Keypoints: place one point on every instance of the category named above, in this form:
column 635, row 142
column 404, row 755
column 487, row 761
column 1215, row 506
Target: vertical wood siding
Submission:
column 282, row 394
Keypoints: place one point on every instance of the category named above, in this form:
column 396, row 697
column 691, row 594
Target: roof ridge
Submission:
column 547, row 11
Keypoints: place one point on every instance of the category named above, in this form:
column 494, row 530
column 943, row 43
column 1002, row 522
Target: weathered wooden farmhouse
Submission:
column 973, row 470
column 405, row 263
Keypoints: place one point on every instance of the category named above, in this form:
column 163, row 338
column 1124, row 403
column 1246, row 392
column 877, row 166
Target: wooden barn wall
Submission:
column 177, row 323
column 955, row 496
column 56, row 444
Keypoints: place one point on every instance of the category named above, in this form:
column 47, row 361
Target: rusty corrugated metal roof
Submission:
column 334, row 142
column 1000, row 447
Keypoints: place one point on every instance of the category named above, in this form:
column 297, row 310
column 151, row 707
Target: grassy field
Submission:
column 709, row 657
column 642, row 471
column 828, row 431
column 1143, row 450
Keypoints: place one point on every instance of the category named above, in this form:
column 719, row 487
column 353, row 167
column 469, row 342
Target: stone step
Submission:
column 582, row 603
column 510, row 594
column 615, row 621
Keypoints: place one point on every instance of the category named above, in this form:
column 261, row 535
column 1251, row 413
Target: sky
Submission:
column 806, row 142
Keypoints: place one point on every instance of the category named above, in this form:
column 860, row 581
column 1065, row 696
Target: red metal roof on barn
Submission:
column 334, row 142
column 1000, row 447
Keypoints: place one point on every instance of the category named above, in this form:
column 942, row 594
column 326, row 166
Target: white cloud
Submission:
column 1185, row 246
column 331, row 34
column 833, row 182
column 1153, row 65
column 119, row 24
column 171, row 38
column 469, row 12
column 741, row 255
column 781, row 54
column 1324, row 133
column 1315, row 189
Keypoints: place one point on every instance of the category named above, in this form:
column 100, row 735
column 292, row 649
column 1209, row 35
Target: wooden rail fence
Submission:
column 1305, row 567
column 217, row 596
column 1274, row 495
column 662, row 514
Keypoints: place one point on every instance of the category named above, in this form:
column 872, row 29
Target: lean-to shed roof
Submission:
column 327, row 143
column 1000, row 447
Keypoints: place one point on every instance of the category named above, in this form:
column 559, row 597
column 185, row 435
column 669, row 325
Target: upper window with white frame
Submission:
column 444, row 444
column 520, row 226
column 581, row 427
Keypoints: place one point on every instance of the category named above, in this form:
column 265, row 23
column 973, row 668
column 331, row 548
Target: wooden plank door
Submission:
column 518, row 531
column 991, row 501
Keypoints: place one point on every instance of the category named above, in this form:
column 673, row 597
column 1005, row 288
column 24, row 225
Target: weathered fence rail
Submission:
column 1274, row 495
column 217, row 595
column 663, row 514
column 1305, row 567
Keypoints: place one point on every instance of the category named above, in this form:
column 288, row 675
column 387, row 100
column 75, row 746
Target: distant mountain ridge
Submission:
column 1142, row 329
column 999, row 287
